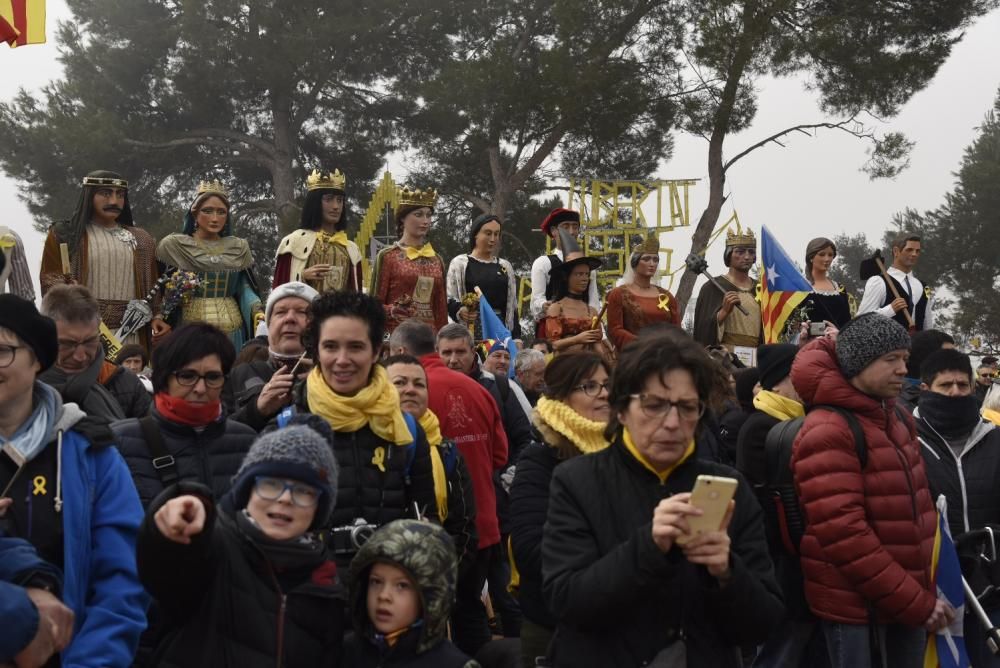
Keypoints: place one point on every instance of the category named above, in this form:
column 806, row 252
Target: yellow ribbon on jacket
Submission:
column 335, row 238
column 586, row 434
column 641, row 458
column 424, row 251
column 376, row 404
column 432, row 428
column 662, row 301
column 777, row 406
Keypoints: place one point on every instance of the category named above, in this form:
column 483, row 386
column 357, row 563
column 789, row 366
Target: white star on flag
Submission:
column 772, row 275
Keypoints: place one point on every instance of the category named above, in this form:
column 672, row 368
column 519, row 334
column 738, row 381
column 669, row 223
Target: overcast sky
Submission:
column 812, row 187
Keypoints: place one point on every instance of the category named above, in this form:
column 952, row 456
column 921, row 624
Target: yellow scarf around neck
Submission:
column 376, row 404
column 641, row 458
column 777, row 406
column 432, row 428
column 992, row 415
column 424, row 251
column 587, row 435
column 335, row 238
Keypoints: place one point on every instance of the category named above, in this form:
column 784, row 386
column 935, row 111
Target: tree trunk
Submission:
column 720, row 128
column 282, row 176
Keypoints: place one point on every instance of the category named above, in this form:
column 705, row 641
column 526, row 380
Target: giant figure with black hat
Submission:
column 319, row 253
column 541, row 289
column 104, row 252
column 717, row 318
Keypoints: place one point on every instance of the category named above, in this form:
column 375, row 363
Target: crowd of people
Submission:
column 342, row 476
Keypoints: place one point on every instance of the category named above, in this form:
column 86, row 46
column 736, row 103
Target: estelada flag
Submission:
column 946, row 648
column 782, row 287
column 22, row 22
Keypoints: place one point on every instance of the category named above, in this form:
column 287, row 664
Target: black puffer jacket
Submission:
column 617, row 598
column 130, row 393
column 378, row 489
column 243, row 388
column 211, row 457
column 229, row 605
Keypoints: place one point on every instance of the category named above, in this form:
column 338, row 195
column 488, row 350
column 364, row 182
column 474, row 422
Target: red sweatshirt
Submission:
column 469, row 416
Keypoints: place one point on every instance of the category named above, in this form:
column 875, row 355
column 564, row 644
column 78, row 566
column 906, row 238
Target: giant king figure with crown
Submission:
column 718, row 320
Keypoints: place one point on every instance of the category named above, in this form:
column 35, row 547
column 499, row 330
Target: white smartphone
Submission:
column 711, row 494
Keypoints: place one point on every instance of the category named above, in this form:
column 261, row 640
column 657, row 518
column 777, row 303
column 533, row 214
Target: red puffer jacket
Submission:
column 869, row 535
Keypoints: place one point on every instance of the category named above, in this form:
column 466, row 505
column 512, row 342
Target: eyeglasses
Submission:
column 188, row 377
column 271, row 489
column 68, row 347
column 657, row 408
column 209, row 211
column 7, row 355
column 592, row 388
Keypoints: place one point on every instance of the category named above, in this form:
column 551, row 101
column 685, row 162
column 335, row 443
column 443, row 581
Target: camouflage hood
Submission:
column 427, row 553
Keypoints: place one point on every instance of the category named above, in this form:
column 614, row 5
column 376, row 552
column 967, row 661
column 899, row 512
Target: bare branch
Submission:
column 843, row 126
column 476, row 201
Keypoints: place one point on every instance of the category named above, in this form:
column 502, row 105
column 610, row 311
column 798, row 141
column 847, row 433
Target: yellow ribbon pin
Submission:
column 378, row 459
column 39, row 485
column 662, row 302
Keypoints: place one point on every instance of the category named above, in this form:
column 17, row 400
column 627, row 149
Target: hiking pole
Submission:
column 992, row 632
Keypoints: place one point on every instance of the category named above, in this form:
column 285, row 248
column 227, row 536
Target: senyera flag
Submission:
column 946, row 648
column 493, row 328
column 782, row 287
column 22, row 22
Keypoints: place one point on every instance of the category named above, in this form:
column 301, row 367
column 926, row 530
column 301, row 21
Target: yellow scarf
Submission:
column 641, row 458
column 777, row 406
column 992, row 415
column 335, row 238
column 376, row 404
column 424, row 251
column 432, row 428
column 587, row 435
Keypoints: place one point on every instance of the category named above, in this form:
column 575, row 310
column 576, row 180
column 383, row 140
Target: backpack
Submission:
column 779, row 499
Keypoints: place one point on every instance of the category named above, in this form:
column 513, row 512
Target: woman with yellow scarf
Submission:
column 384, row 457
column 569, row 420
column 453, row 493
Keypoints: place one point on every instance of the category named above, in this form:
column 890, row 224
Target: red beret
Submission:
column 557, row 216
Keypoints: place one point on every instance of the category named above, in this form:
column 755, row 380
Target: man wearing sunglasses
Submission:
column 80, row 373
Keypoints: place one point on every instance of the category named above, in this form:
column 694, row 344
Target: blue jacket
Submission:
column 18, row 616
column 101, row 518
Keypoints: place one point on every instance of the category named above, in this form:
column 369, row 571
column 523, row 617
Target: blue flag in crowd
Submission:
column 946, row 648
column 493, row 328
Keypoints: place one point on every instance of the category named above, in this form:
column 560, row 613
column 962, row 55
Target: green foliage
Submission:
column 851, row 250
column 961, row 247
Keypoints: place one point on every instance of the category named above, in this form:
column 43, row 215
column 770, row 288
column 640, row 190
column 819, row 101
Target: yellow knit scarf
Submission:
column 424, row 251
column 641, row 458
column 992, row 415
column 376, row 404
column 432, row 427
column 587, row 435
column 777, row 406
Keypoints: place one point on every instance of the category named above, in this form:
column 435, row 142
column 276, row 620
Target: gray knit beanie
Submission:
column 296, row 452
column 865, row 339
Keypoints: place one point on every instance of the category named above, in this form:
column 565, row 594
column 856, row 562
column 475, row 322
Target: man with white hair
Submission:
column 529, row 369
column 262, row 389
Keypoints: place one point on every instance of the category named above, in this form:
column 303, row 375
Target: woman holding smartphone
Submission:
column 622, row 588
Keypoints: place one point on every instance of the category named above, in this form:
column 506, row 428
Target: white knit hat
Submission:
column 292, row 289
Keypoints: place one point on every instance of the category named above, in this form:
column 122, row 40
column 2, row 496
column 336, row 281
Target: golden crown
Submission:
column 649, row 246
column 741, row 237
column 334, row 180
column 409, row 197
column 212, row 188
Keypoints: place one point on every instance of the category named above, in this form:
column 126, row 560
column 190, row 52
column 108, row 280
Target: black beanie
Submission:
column 774, row 360
column 37, row 331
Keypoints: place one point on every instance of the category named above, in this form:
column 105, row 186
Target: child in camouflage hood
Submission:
column 402, row 586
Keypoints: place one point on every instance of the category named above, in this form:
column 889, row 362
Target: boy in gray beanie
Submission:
column 253, row 586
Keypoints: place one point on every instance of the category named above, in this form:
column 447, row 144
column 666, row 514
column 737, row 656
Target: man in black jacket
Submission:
column 261, row 389
column 81, row 374
column 962, row 456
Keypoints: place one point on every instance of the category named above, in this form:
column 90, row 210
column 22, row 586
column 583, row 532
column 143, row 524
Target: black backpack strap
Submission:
column 163, row 461
column 860, row 443
column 778, row 451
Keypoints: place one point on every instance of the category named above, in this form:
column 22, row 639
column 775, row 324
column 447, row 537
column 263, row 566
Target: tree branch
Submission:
column 209, row 137
column 842, row 125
